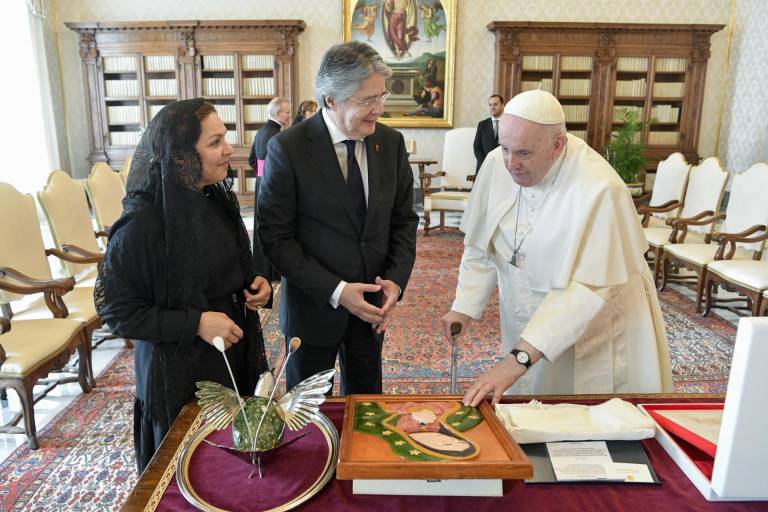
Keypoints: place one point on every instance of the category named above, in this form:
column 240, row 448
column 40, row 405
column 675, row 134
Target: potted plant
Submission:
column 625, row 152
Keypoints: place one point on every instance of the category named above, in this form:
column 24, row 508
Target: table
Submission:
column 676, row 493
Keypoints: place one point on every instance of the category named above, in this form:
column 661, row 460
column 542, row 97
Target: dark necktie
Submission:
column 355, row 183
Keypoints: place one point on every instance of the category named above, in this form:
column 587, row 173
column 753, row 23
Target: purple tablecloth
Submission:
column 676, row 493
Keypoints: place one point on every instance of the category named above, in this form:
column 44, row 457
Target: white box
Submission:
column 739, row 472
column 437, row 487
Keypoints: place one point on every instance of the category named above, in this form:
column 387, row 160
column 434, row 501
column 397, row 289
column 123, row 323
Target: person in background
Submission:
column 278, row 118
column 178, row 271
column 487, row 135
column 307, row 109
column 279, row 112
column 335, row 217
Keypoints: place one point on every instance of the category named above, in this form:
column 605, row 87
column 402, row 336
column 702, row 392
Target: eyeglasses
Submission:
column 371, row 101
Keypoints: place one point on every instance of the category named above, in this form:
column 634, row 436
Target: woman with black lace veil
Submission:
column 179, row 271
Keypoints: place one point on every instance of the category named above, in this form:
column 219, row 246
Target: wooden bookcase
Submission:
column 133, row 69
column 597, row 70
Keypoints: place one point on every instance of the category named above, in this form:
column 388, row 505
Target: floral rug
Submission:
column 85, row 461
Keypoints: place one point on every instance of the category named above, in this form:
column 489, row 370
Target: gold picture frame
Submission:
column 417, row 39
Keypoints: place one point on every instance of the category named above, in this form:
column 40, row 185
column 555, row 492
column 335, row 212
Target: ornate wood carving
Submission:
column 187, row 41
column 607, row 42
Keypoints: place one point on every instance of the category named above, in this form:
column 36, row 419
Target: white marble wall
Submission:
column 744, row 131
column 474, row 53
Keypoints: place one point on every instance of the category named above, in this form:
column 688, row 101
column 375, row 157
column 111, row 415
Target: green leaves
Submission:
column 464, row 419
column 625, row 152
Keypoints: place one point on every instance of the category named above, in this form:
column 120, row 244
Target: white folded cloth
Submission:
column 613, row 420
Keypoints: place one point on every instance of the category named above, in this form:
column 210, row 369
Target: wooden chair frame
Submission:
column 753, row 298
column 679, row 231
column 425, row 182
column 646, row 212
column 24, row 386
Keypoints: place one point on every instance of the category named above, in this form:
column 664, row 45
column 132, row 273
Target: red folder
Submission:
column 701, row 451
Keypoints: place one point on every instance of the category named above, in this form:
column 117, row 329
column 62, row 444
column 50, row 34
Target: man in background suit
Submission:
column 279, row 115
column 278, row 118
column 487, row 135
column 335, row 217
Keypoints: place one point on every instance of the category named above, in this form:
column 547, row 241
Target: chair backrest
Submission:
column 669, row 185
column 706, row 184
column 126, row 169
column 458, row 158
column 22, row 248
column 63, row 202
column 747, row 203
column 106, row 191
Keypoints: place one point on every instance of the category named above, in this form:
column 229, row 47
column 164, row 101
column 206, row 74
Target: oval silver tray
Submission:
column 330, row 434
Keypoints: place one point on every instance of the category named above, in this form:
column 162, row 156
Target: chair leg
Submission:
column 756, row 304
column 24, row 390
column 656, row 266
column 662, row 282
column 442, row 221
column 709, row 286
column 426, row 222
column 85, row 372
column 700, row 288
column 128, row 342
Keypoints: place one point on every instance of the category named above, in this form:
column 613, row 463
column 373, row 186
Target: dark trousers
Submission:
column 359, row 352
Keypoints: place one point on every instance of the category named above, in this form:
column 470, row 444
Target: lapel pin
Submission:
column 376, row 148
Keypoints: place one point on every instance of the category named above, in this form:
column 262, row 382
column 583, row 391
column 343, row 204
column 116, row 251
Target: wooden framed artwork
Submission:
column 426, row 437
column 417, row 39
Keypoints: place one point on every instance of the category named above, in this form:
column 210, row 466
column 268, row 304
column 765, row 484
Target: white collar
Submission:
column 275, row 121
column 337, row 135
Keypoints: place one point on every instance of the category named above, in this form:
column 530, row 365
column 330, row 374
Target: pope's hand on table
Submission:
column 494, row 381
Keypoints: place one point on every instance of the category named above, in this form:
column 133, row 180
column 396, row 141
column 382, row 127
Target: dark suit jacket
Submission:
column 260, row 141
column 485, row 141
column 308, row 230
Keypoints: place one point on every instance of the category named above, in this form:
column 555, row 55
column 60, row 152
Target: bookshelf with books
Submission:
column 600, row 70
column 133, row 69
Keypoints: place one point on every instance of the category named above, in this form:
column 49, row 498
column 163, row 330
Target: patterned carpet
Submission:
column 86, row 457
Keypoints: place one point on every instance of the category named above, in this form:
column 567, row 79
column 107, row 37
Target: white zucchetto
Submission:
column 537, row 106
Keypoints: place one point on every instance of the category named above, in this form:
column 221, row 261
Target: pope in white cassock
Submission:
column 551, row 223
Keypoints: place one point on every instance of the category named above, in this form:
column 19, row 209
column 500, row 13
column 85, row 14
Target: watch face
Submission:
column 522, row 357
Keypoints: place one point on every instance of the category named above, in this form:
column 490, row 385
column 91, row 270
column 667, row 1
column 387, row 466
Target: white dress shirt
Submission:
column 338, row 138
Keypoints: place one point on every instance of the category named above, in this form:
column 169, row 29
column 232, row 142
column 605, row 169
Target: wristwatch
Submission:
column 522, row 357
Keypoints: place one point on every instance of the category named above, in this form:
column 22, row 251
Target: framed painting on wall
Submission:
column 417, row 39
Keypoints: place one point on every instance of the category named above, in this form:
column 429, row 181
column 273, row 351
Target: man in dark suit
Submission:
column 335, row 217
column 487, row 135
column 279, row 114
